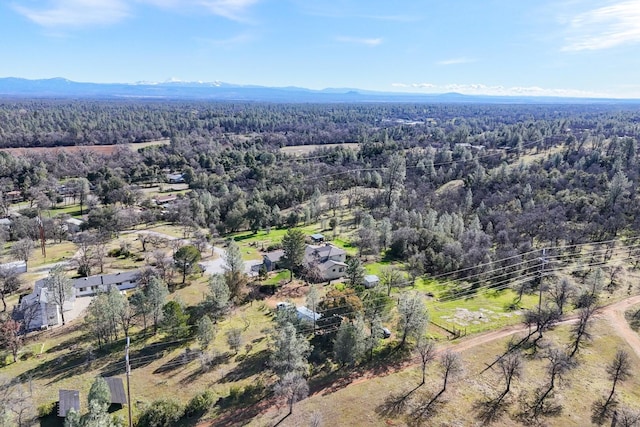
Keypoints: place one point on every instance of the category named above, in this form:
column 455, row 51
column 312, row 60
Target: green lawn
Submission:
column 483, row 310
column 73, row 210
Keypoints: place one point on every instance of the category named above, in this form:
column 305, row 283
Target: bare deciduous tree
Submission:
column 620, row 369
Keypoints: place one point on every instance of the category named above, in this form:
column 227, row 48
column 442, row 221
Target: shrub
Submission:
column 27, row 355
column 200, row 403
column 46, row 409
column 161, row 413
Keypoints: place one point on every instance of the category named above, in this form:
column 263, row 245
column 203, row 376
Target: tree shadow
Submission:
column 395, row 404
column 491, row 410
column 214, row 361
column 250, row 365
column 140, row 358
column 427, row 407
column 64, row 366
column 179, row 361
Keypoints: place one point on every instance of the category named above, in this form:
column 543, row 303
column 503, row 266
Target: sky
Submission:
column 582, row 48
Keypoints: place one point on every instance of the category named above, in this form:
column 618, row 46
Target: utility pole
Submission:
column 543, row 259
column 126, row 359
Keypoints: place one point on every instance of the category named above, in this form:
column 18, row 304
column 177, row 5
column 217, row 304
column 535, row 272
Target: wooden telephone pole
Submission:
column 126, row 359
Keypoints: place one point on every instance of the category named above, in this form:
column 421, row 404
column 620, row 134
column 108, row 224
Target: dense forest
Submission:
column 446, row 187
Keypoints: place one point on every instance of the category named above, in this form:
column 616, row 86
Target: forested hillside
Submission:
column 277, row 251
column 460, row 185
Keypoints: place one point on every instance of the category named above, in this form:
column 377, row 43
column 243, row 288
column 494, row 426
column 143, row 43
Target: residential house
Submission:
column 271, row 260
column 175, row 178
column 328, row 259
column 13, row 196
column 38, row 310
column 102, row 283
column 165, row 200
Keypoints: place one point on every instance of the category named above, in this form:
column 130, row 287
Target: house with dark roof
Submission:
column 103, row 282
column 328, row 259
column 175, row 178
column 271, row 260
column 39, row 311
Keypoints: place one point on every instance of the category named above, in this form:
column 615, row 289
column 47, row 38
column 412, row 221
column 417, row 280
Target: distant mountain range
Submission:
column 12, row 87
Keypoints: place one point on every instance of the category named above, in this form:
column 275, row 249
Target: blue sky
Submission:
column 500, row 47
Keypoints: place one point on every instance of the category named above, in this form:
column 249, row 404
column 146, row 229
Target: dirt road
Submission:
column 614, row 313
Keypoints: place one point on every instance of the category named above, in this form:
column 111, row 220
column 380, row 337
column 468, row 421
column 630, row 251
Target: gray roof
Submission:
column 74, row 221
column 305, row 314
column 322, row 251
column 317, row 236
column 117, row 390
column 68, row 399
column 106, row 279
column 275, row 256
column 371, row 278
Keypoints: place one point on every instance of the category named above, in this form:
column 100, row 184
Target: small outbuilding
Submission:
column 307, row 315
column 116, row 388
column 371, row 281
column 73, row 225
column 317, row 238
column 17, row 266
column 68, row 400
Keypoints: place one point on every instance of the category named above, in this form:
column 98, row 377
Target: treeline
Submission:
column 462, row 186
column 48, row 123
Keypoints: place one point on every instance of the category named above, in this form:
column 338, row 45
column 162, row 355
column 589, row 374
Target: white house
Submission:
column 101, row 283
column 329, row 259
column 38, row 310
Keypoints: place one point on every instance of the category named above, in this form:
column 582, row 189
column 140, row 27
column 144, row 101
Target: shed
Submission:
column 116, row 387
column 317, row 238
column 371, row 281
column 73, row 224
column 307, row 315
column 67, row 400
column 5, row 222
column 17, row 266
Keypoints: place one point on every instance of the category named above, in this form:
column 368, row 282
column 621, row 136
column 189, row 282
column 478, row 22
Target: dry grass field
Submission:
column 98, row 149
column 301, row 150
column 362, row 401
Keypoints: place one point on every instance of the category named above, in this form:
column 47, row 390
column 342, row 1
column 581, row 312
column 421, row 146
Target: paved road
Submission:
column 215, row 266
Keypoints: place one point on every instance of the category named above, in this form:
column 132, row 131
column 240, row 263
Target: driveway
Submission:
column 217, row 266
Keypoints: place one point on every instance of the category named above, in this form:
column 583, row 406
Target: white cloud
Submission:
column 455, row 61
column 357, row 40
column 497, row 90
column 76, row 13
column 235, row 10
column 605, row 27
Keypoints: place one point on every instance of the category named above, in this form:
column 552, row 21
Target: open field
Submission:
column 361, row 401
column 300, row 150
column 98, row 149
